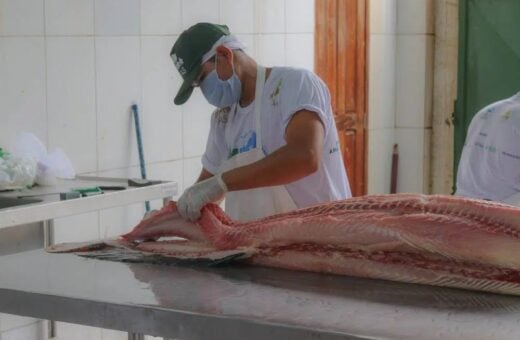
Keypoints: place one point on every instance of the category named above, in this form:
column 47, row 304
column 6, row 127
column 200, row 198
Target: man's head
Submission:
column 197, row 50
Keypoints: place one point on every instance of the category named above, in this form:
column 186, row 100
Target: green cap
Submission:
column 187, row 53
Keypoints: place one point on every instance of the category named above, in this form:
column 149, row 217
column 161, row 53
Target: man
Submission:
column 489, row 167
column 273, row 144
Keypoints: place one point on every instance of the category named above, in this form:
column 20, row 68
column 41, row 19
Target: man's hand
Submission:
column 200, row 194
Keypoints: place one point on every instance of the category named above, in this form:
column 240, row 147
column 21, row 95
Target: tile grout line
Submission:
column 46, row 67
column 96, row 106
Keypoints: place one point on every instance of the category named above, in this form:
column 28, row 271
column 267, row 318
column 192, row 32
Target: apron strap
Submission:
column 259, row 90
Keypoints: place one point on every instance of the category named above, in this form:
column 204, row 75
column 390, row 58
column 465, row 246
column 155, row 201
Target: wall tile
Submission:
column 196, row 121
column 383, row 16
column 69, row 17
column 119, row 220
column 77, row 228
column 381, row 92
column 168, row 171
column 415, row 16
column 117, row 17
column 270, row 16
column 380, row 148
column 21, row 17
column 238, row 15
column 161, row 17
column 22, row 88
column 71, row 99
column 77, row 332
column 249, row 41
column 109, row 334
column 161, row 118
column 299, row 50
column 191, row 169
column 299, row 16
column 118, row 87
column 194, row 11
column 270, row 49
column 413, row 159
column 10, row 321
column 414, row 80
column 34, row 331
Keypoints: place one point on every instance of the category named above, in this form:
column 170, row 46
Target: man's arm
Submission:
column 299, row 158
column 204, row 174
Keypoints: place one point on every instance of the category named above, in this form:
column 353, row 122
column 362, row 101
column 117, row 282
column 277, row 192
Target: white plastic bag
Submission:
column 29, row 163
column 17, row 171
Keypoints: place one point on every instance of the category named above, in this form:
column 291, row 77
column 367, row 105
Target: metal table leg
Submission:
column 135, row 336
column 48, row 240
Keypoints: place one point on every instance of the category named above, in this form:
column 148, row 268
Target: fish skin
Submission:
column 436, row 240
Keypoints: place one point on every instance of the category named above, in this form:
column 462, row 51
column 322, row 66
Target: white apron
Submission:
column 247, row 205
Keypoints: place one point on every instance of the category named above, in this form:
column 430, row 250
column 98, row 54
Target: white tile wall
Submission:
column 300, row 50
column 413, row 159
column 161, row 119
column 77, row 228
column 414, row 16
column 271, row 49
column 21, row 17
column 194, row 11
column 69, row 17
column 69, row 331
column 22, row 88
column 243, row 23
column 116, row 221
column 270, row 16
column 380, row 145
column 34, row 331
column 191, row 171
column 195, row 124
column 10, row 321
column 71, row 99
column 414, row 80
column 170, row 171
column 299, row 16
column 117, row 17
column 383, row 16
column 250, row 41
column 382, row 81
column 108, row 334
column 118, row 84
column 160, row 17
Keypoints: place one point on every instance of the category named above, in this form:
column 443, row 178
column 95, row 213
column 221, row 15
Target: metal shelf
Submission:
column 51, row 207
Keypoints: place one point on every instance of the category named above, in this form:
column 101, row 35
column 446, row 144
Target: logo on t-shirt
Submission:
column 246, row 142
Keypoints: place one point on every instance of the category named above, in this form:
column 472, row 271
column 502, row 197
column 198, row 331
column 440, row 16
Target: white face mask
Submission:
column 221, row 93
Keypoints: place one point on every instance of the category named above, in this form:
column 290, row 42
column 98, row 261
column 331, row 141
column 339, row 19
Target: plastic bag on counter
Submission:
column 32, row 159
column 17, row 171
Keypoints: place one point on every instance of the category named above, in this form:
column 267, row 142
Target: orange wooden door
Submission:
column 340, row 60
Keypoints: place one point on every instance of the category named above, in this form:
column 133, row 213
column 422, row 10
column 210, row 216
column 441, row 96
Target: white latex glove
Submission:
column 200, row 194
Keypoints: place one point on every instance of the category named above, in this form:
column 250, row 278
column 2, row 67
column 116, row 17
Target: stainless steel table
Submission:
column 239, row 302
column 20, row 224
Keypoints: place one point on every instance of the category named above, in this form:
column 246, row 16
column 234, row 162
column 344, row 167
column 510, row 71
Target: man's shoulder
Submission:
column 294, row 72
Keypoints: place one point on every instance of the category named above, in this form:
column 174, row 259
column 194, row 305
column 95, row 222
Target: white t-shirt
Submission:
column 489, row 167
column 286, row 91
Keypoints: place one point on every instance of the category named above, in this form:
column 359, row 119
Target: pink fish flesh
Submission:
column 435, row 240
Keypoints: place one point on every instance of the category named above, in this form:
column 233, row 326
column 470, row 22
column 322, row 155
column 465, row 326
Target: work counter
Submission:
column 242, row 302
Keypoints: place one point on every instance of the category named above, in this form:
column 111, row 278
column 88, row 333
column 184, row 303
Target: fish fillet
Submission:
column 436, row 240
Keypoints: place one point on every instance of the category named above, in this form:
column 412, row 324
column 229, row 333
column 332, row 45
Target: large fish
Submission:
column 435, row 240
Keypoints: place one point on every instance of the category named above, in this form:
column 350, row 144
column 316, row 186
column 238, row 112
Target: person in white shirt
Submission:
column 273, row 145
column 489, row 166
